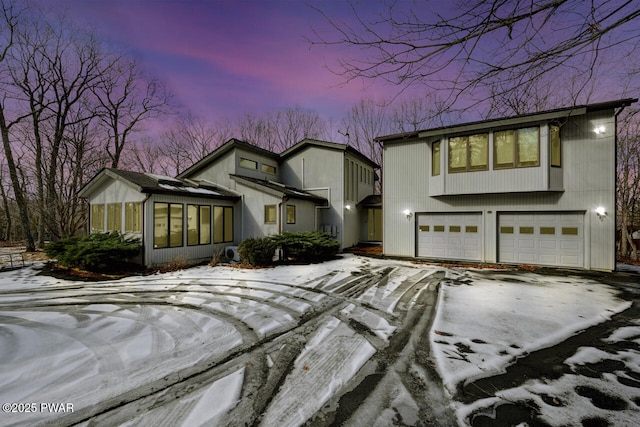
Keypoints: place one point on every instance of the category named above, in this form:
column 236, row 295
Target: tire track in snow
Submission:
column 185, row 378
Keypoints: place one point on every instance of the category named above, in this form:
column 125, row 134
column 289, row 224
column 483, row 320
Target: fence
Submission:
column 10, row 261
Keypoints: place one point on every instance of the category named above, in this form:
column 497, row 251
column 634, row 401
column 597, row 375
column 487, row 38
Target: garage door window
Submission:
column 548, row 230
column 570, row 231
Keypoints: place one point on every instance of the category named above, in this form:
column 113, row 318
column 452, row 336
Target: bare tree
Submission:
column 277, row 131
column 465, row 48
column 126, row 98
column 190, row 139
column 10, row 15
column 628, row 181
column 6, row 209
column 416, row 113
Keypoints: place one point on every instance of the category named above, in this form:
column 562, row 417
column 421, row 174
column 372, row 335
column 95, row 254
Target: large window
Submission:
column 270, row 214
column 222, row 224
column 114, row 217
column 291, row 214
column 167, row 225
column 556, row 147
column 133, row 217
column 516, row 148
column 469, row 153
column 198, row 225
column 435, row 159
column 97, row 218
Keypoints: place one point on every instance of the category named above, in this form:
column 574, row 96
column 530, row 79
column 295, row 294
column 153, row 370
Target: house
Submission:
column 237, row 191
column 531, row 189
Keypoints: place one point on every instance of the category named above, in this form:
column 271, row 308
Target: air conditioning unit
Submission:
column 231, row 252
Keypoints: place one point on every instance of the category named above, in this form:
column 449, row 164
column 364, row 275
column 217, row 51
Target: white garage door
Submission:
column 450, row 236
column 545, row 239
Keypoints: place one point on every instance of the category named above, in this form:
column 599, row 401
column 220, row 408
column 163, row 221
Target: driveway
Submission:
column 348, row 342
column 335, row 342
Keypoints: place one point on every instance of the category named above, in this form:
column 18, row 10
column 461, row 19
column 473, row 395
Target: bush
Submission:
column 310, row 246
column 95, row 252
column 257, row 251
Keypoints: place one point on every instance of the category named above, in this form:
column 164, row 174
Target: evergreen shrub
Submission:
column 257, row 251
column 100, row 252
column 307, row 246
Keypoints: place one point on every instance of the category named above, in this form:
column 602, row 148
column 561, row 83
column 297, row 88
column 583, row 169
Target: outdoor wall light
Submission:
column 601, row 212
column 348, row 207
column 408, row 213
column 599, row 130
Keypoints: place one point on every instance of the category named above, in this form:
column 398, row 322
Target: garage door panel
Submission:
column 542, row 238
column 549, row 244
column 451, row 235
column 526, row 244
column 571, row 245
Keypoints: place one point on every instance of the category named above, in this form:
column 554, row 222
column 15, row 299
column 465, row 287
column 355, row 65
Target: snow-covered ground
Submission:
column 487, row 322
column 347, row 341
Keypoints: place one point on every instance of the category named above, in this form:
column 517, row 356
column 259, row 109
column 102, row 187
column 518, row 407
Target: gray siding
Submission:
column 321, row 171
column 587, row 177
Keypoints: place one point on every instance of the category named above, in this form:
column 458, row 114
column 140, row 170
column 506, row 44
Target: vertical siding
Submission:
column 587, row 177
column 323, row 175
column 219, row 172
column 405, row 186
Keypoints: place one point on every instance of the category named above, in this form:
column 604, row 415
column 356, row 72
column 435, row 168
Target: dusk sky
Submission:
column 222, row 58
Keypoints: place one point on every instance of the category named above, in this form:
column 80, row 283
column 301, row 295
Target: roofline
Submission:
column 269, row 190
column 327, row 144
column 507, row 121
column 113, row 174
column 223, row 149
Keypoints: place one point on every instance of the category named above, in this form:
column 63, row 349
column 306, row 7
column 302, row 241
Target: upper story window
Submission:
column 516, row 148
column 267, row 169
column 435, row 159
column 469, row 153
column 555, row 145
column 249, row 164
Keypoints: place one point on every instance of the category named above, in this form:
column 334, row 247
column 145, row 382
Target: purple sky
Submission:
column 222, row 58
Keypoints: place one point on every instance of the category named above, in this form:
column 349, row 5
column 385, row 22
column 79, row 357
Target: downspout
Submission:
column 144, row 215
column 282, row 202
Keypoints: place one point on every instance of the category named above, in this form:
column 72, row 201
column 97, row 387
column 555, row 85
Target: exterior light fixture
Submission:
column 599, row 130
column 408, row 213
column 348, row 207
column 601, row 212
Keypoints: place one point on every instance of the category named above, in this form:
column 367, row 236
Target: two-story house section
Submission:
column 531, row 189
column 340, row 174
column 237, row 191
